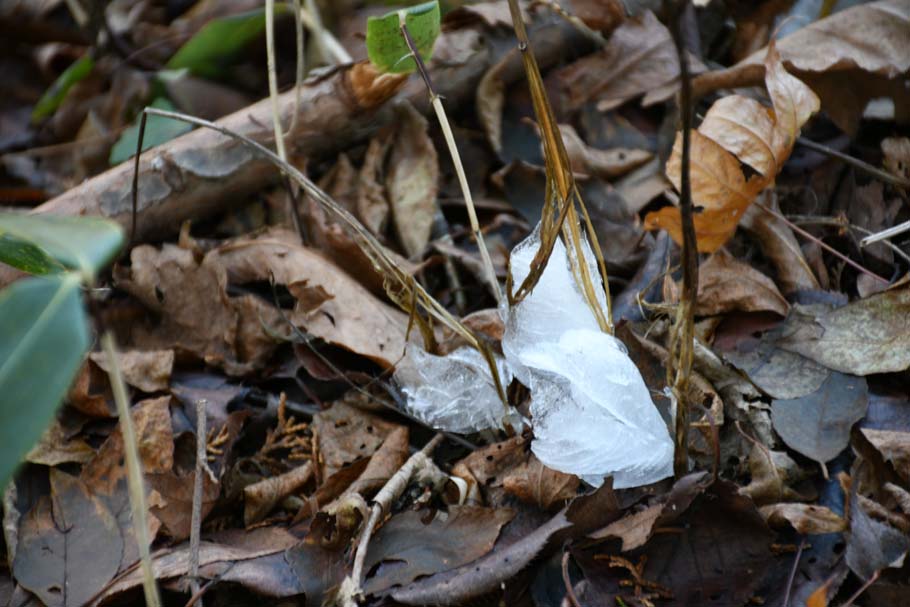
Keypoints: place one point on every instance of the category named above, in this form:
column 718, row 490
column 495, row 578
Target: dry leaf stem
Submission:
column 841, row 223
column 682, row 335
column 822, row 244
column 351, row 587
column 559, row 215
column 443, row 119
column 134, row 472
column 855, row 162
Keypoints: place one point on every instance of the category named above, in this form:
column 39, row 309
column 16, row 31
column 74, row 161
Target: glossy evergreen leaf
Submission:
column 45, row 336
column 87, row 244
column 386, row 46
column 25, row 256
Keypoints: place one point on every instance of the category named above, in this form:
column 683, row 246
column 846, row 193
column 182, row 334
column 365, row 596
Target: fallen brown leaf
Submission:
column 56, row 447
column 149, row 371
column 737, row 129
column 726, row 284
column 806, row 519
column 894, row 447
column 345, row 433
column 534, row 483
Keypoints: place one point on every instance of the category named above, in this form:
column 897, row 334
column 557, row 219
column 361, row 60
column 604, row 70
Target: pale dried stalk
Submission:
column 351, row 589
column 446, row 128
column 134, row 472
column 196, row 519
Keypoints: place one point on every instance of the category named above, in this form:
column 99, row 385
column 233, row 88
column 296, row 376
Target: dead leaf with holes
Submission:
column 736, row 130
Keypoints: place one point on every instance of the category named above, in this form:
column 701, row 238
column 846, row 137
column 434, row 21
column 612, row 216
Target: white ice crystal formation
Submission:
column 592, row 414
column 456, row 392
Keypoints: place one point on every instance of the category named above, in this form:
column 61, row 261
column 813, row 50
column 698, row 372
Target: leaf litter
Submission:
column 327, row 356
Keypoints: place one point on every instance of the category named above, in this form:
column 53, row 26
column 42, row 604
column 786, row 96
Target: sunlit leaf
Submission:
column 84, row 243
column 45, row 335
column 386, row 46
column 54, row 95
column 158, row 130
column 25, row 256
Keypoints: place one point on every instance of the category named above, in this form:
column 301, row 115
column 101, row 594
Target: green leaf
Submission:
column 158, row 130
column 219, row 42
column 45, row 336
column 25, row 256
column 386, row 46
column 87, row 244
column 54, row 95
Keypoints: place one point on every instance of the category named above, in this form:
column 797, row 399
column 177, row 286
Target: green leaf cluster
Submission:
column 43, row 322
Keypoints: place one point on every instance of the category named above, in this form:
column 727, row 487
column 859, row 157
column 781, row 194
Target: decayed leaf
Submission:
column 330, row 304
column 818, row 424
column 873, row 546
column 639, row 57
column 772, row 473
column 805, row 518
column 149, row 371
column 345, row 434
column 174, row 504
column 412, row 181
column 260, row 497
column 837, row 57
column 409, row 548
column 737, row 129
column 863, row 337
column 894, row 447
column 726, row 284
column 372, row 205
column 70, row 545
column 485, row 468
column 535, row 483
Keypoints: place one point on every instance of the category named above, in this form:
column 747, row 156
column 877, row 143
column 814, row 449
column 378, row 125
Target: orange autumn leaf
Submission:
column 819, row 597
column 735, row 131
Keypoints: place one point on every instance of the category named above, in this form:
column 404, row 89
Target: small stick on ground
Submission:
column 443, row 119
column 134, row 472
column 682, row 335
column 351, row 588
column 196, row 520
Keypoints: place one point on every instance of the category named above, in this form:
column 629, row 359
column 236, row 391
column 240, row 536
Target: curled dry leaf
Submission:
column 772, row 474
column 260, row 497
column 726, row 284
column 57, row 447
column 806, row 519
column 413, row 181
column 174, row 503
column 835, row 58
column 737, row 129
column 606, row 164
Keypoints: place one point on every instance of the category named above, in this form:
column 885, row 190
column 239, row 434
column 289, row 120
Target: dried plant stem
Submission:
column 854, row 162
column 885, row 234
column 842, row 223
column 196, row 518
column 443, row 119
column 862, row 589
column 822, row 244
column 334, row 51
column 382, row 503
column 682, row 335
column 134, row 472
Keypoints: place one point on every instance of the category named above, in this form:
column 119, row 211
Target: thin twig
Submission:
column 567, row 581
column 135, row 190
column 862, row 588
column 855, row 162
column 351, row 588
column 885, row 234
column 456, row 160
column 134, row 472
column 300, row 70
column 196, row 518
column 799, row 554
column 682, row 335
column 821, row 243
column 841, row 222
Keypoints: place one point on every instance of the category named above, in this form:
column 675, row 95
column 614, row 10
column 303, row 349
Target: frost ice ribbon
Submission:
column 591, row 411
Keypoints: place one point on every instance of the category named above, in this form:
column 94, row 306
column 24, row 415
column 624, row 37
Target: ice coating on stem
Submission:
column 455, row 393
column 591, row 411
